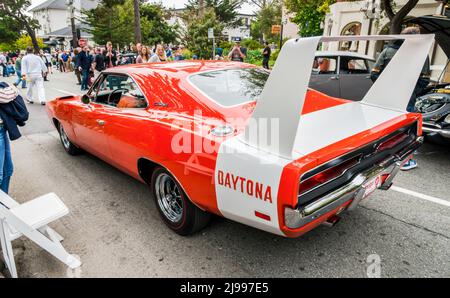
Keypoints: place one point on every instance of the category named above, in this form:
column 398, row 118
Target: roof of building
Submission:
column 54, row 4
column 61, row 4
column 67, row 32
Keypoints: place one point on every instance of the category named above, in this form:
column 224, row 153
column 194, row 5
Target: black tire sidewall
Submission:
column 184, row 226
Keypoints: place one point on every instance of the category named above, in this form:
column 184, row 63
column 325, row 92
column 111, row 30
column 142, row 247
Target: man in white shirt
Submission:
column 34, row 67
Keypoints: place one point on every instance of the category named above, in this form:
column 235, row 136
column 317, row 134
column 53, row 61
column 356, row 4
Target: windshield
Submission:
column 231, row 87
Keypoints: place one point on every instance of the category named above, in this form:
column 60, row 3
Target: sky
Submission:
column 246, row 8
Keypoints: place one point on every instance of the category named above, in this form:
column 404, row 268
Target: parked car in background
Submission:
column 342, row 74
column 434, row 104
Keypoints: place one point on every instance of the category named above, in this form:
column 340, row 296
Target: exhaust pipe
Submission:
column 332, row 221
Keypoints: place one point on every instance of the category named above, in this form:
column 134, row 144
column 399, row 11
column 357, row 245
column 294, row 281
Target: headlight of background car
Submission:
column 447, row 119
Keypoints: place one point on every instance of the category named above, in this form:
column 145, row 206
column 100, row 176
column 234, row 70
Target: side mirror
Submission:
column 85, row 99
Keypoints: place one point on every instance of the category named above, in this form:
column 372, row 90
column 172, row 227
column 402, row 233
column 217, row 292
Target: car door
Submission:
column 325, row 75
column 129, row 132
column 91, row 119
column 354, row 76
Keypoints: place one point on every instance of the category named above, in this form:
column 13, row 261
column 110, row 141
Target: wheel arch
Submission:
column 146, row 168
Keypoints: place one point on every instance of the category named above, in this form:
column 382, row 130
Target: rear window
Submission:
column 229, row 87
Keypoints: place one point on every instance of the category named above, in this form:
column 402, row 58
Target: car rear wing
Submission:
column 284, row 93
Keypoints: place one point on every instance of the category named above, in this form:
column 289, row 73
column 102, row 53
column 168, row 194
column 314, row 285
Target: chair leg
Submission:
column 8, row 252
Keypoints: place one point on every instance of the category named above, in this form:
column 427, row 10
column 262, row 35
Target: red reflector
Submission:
column 262, row 215
column 384, row 177
column 327, row 175
column 390, row 143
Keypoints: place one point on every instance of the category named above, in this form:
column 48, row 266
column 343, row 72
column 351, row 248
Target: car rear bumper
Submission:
column 433, row 129
column 353, row 190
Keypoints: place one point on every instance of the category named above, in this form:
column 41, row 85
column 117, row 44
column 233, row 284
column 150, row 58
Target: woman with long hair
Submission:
column 160, row 55
column 144, row 56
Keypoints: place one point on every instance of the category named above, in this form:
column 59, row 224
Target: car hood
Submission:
column 438, row 25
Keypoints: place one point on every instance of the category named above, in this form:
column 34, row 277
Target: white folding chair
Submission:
column 30, row 219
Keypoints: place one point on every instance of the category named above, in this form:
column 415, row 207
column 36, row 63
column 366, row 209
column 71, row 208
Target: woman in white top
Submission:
column 144, row 56
column 160, row 55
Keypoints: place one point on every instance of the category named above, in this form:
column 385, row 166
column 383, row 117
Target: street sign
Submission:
column 82, row 42
column 210, row 33
column 276, row 29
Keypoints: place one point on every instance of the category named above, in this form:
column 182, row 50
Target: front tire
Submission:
column 65, row 141
column 174, row 207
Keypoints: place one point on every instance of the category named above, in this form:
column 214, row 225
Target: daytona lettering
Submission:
column 247, row 186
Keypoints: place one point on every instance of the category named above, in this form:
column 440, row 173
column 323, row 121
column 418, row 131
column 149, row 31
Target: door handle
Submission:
column 335, row 78
column 101, row 122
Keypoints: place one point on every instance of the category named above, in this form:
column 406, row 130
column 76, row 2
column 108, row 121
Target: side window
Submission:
column 132, row 96
column 324, row 65
column 117, row 91
column 353, row 66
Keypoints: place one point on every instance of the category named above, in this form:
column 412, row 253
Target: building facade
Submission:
column 54, row 19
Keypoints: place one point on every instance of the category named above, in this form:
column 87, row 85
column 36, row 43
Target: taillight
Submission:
column 392, row 142
column 328, row 174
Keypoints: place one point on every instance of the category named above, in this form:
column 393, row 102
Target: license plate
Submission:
column 371, row 186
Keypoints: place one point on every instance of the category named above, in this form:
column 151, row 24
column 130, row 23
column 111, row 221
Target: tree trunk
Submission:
column 32, row 35
column 398, row 18
column 137, row 23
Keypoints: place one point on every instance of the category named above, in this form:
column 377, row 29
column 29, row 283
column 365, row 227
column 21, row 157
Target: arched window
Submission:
column 353, row 28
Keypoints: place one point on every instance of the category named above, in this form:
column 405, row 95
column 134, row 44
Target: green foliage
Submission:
column 225, row 10
column 261, row 28
column 113, row 20
column 24, row 41
column 254, row 57
column 196, row 36
column 251, row 44
column 154, row 27
column 14, row 20
column 309, row 15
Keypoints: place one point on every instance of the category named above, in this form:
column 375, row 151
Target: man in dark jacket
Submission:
column 84, row 60
column 13, row 112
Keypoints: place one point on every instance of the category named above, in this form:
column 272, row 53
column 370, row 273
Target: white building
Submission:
column 54, row 18
column 239, row 32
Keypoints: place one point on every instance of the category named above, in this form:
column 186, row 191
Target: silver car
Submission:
column 342, row 74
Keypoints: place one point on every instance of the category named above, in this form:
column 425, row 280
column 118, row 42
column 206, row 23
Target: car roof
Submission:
column 343, row 53
column 182, row 68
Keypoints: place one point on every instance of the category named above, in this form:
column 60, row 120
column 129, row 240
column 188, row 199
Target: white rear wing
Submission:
column 284, row 93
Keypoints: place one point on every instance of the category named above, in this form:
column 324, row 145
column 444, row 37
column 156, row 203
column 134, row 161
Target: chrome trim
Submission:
column 295, row 218
column 443, row 132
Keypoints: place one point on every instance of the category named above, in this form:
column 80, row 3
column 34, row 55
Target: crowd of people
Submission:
column 87, row 62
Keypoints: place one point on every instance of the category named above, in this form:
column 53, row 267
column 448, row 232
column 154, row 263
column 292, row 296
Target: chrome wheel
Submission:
column 64, row 138
column 169, row 199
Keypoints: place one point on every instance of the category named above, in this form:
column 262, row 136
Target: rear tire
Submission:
column 65, row 141
column 174, row 206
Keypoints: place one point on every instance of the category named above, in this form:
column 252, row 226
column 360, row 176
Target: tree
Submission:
column 269, row 14
column 25, row 41
column 113, row 20
column 196, row 36
column 225, row 10
column 397, row 18
column 137, row 22
column 309, row 15
column 155, row 27
column 15, row 10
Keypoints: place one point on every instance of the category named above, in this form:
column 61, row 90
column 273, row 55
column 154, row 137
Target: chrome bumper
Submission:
column 354, row 190
column 436, row 129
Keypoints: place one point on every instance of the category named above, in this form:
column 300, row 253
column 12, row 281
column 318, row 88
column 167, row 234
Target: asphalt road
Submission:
column 115, row 229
